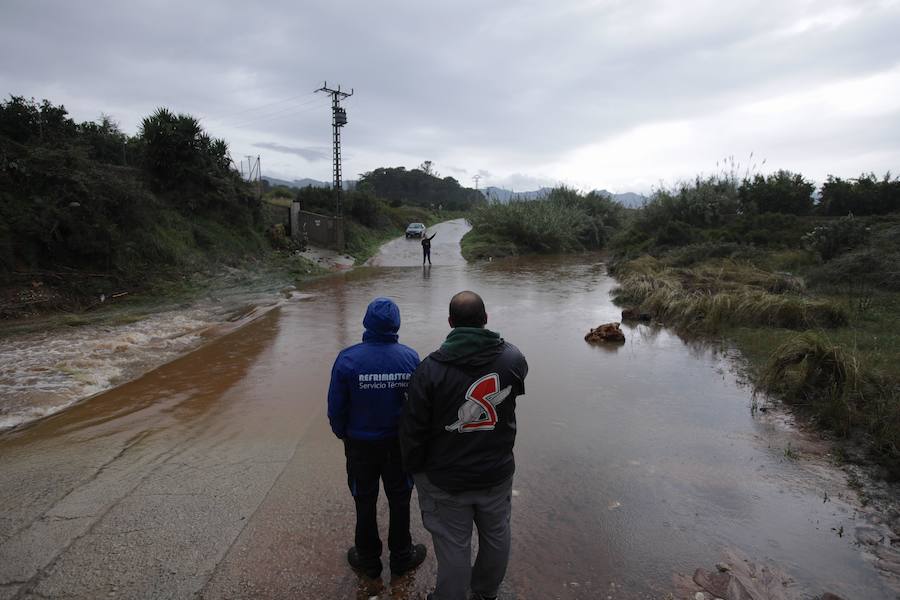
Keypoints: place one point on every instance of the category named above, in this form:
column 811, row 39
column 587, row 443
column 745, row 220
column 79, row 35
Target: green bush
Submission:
column 837, row 237
column 564, row 221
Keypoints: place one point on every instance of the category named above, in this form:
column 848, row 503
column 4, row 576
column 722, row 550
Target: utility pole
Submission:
column 476, row 177
column 338, row 120
column 249, row 167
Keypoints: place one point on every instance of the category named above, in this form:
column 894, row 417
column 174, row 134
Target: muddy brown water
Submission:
column 217, row 475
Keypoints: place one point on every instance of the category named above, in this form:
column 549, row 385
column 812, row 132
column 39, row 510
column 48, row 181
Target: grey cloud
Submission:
column 522, row 83
column 310, row 154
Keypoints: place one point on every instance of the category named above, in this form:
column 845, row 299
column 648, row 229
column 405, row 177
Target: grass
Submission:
column 721, row 293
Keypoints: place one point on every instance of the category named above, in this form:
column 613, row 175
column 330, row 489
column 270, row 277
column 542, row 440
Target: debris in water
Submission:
column 739, row 578
column 608, row 332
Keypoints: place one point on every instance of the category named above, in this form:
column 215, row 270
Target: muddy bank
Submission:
column 56, row 358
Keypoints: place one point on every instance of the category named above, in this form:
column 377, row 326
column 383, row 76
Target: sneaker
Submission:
column 371, row 571
column 416, row 556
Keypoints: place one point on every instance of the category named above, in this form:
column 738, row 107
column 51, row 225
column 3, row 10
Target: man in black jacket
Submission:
column 456, row 436
column 426, row 247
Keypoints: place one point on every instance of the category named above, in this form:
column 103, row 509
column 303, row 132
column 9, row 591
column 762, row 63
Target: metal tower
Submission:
column 338, row 120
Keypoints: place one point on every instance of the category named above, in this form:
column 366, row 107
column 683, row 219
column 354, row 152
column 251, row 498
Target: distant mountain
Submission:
column 306, row 182
column 627, row 199
column 297, row 183
column 495, row 194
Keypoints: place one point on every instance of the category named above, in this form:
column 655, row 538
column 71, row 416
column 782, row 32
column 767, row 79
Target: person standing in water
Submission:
column 457, row 433
column 367, row 391
column 426, row 247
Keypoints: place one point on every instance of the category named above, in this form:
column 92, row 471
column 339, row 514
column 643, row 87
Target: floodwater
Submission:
column 216, row 474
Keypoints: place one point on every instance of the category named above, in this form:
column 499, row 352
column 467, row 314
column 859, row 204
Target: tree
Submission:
column 427, row 167
column 865, row 195
column 179, row 154
column 781, row 192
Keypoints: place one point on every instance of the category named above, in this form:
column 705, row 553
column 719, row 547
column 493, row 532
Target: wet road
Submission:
column 403, row 252
column 216, row 475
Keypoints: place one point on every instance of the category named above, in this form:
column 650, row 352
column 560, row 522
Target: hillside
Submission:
column 86, row 210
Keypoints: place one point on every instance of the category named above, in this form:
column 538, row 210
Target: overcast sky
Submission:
column 616, row 94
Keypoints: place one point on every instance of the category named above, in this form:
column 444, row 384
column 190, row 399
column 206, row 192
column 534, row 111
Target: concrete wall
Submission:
column 320, row 230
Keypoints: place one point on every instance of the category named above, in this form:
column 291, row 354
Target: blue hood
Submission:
column 382, row 321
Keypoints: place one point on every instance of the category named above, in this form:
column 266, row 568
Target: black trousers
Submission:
column 367, row 463
column 426, row 253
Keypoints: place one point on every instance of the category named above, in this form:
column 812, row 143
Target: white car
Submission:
column 415, row 230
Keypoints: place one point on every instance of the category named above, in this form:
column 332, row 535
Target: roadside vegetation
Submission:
column 86, row 210
column 90, row 215
column 808, row 290
column 563, row 221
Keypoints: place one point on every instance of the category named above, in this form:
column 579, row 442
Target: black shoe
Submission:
column 371, row 571
column 480, row 597
column 416, row 556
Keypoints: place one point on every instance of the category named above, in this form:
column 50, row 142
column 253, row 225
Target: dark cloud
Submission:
column 500, row 87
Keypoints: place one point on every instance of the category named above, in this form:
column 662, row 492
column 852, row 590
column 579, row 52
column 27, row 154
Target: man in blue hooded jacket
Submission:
column 367, row 391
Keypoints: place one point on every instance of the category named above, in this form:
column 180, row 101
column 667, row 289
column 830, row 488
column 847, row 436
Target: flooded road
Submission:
column 407, row 252
column 217, row 475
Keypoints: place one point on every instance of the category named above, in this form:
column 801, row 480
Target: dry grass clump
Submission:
column 711, row 296
column 809, row 365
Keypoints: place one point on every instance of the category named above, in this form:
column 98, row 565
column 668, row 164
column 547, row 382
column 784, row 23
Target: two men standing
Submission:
column 456, row 433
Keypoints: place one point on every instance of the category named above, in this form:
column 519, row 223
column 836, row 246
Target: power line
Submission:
column 304, row 107
column 281, row 115
column 229, row 115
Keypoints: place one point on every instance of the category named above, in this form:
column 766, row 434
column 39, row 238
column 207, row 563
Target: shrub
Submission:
column 563, row 221
column 867, row 266
column 837, row 237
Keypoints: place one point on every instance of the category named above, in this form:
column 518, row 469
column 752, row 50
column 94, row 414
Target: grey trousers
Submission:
column 449, row 517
